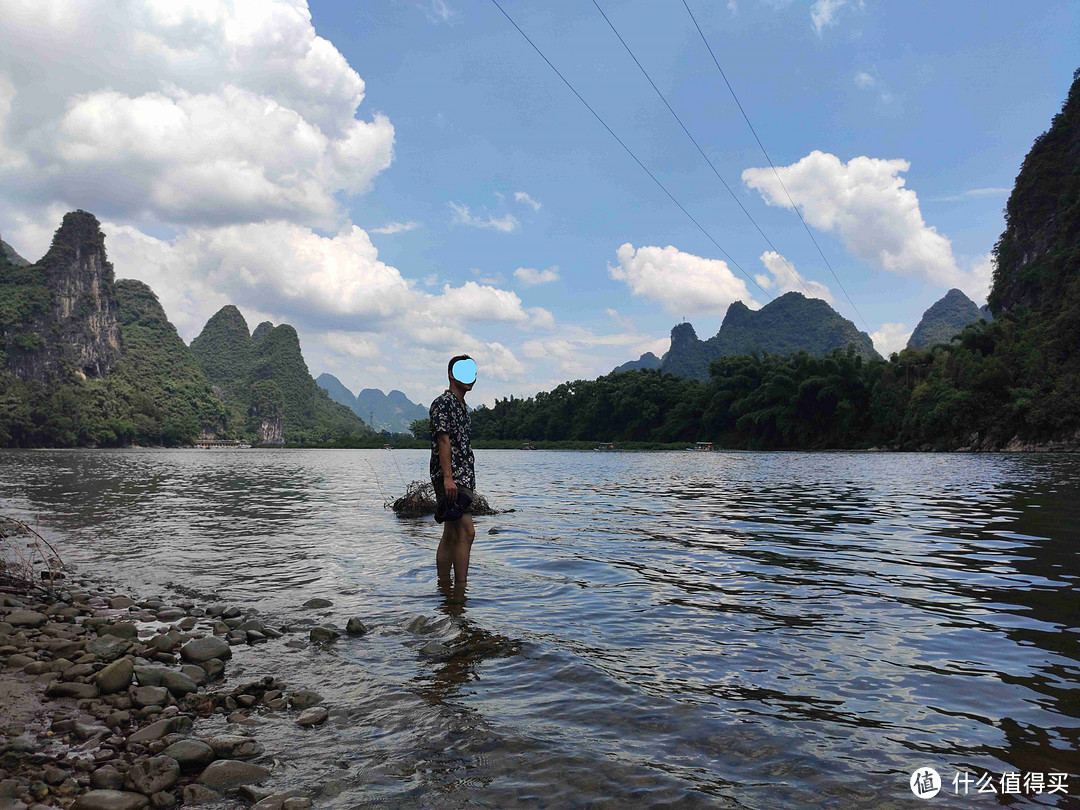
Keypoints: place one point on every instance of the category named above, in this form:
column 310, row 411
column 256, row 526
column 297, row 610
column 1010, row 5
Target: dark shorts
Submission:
column 440, row 493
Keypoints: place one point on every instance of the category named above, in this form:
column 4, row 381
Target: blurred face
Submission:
column 464, row 372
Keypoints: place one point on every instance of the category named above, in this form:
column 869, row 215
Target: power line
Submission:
column 630, row 152
column 701, row 151
column 746, row 118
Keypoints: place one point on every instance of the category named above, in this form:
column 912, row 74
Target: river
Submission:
column 755, row 630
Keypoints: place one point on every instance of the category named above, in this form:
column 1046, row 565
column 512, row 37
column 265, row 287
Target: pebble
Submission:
column 190, row 755
column 116, row 676
column 107, row 778
column 199, row 794
column 312, row 717
column 318, row 602
column 227, row 773
column 149, row 695
column 205, row 649
column 153, row 775
column 26, row 618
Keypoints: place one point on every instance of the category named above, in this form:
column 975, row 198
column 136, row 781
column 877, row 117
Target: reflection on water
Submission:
column 734, row 630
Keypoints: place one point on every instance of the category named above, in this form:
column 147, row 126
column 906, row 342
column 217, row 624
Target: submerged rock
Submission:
column 313, row 716
column 355, row 627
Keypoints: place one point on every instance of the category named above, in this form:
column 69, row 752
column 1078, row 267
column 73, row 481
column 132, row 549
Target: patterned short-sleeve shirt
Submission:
column 450, row 416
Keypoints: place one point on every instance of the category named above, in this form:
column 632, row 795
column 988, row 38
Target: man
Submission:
column 452, row 470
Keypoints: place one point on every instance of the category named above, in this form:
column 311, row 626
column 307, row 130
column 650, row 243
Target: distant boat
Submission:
column 703, row 447
column 387, row 447
column 527, row 446
column 605, row 448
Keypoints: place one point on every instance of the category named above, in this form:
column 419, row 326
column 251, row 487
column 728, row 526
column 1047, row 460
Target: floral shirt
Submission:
column 449, row 415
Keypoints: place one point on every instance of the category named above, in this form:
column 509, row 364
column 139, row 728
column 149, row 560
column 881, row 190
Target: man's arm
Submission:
column 443, row 440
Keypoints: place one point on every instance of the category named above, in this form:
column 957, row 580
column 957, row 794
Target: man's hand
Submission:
column 451, row 488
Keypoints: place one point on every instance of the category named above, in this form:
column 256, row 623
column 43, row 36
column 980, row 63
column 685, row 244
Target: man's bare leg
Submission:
column 446, row 554
column 463, row 549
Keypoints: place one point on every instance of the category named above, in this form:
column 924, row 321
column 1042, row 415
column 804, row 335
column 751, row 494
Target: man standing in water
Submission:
column 452, row 470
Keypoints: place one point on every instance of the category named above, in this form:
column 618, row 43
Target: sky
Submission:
column 408, row 180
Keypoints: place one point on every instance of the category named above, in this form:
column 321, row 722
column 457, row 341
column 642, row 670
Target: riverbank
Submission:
column 109, row 701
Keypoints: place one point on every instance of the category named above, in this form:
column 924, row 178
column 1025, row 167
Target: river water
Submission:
column 657, row 629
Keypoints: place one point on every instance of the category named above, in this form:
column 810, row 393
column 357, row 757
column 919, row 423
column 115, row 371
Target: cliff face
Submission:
column 1038, row 255
column 65, row 323
column 788, row 324
column 944, row 320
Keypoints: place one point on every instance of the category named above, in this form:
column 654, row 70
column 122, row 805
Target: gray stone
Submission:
column 154, row 731
column 108, row 648
column 214, row 668
column 150, row 676
column 178, row 683
column 120, row 630
column 228, row 773
column 107, row 778
column 121, row 602
column 252, row 624
column 116, row 676
column 355, row 627
column 111, row 800
column 191, row 755
column 26, row 618
column 296, row 803
column 198, row 794
column 163, row 800
column 313, row 716
column 171, row 614
column 195, row 672
column 203, row 649
column 153, row 775
column 150, row 695
column 304, row 699
column 72, row 690
column 234, row 746
column 165, row 642
column 318, row 602
column 324, row 634
column 21, row 660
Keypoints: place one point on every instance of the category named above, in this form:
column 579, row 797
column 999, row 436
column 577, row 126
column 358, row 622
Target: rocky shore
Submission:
column 105, row 702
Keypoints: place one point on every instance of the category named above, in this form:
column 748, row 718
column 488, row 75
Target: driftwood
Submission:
column 419, row 501
column 24, row 552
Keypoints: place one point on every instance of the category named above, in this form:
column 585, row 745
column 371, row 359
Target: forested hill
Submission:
column 392, row 412
column 647, row 360
column 7, row 252
column 266, row 383
column 788, row 324
column 945, row 319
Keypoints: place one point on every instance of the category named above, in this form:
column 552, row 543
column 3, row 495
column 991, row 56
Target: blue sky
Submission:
column 405, row 180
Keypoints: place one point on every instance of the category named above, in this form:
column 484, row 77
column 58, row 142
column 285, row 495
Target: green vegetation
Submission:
column 944, row 320
column 265, row 381
column 156, row 395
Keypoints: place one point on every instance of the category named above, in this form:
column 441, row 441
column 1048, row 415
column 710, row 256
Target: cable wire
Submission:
column 701, row 151
column 630, row 152
column 746, row 118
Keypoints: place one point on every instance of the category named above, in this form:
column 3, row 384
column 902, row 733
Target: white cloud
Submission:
column 865, row 203
column 785, row 278
column 522, row 197
column 682, row 282
column 354, row 345
column 891, row 337
column 863, row 79
column 530, row 276
column 462, row 216
column 396, row 227
column 206, row 113
column 974, row 193
column 823, row 13
column 439, row 11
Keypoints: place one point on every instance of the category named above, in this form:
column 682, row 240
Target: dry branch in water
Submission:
column 22, row 552
column 419, row 501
